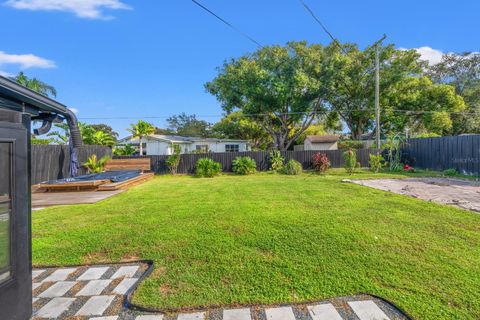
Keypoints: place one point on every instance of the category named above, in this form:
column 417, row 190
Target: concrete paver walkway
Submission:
column 98, row 293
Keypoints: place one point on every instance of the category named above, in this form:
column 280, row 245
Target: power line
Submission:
column 412, row 112
column 245, row 35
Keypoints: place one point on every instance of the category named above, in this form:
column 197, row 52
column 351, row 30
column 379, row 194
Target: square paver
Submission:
column 124, row 285
column 94, row 288
column 324, row 312
column 191, row 316
column 35, row 285
column 36, row 273
column 95, row 306
column 93, row 273
column 237, row 314
column 125, row 272
column 150, row 317
column 54, row 308
column 59, row 275
column 281, row 313
column 367, row 310
column 58, row 289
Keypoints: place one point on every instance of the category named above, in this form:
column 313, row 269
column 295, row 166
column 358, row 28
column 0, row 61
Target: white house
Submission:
column 163, row 144
column 319, row 142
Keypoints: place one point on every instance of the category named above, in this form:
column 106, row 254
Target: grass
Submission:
column 272, row 239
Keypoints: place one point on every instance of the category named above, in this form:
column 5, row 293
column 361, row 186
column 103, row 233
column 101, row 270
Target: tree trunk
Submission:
column 141, row 145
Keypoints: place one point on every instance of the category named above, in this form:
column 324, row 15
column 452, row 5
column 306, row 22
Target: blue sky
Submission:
column 146, row 58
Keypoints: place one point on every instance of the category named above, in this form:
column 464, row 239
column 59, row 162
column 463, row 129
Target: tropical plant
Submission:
column 276, row 160
column 35, row 85
column 102, row 139
column 244, row 165
column 206, row 167
column 320, row 162
column 140, row 130
column 126, row 150
column 394, row 152
column 351, row 164
column 292, row 167
column 173, row 160
column 376, row 162
column 94, row 165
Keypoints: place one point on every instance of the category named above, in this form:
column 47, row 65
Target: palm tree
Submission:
column 35, row 85
column 141, row 129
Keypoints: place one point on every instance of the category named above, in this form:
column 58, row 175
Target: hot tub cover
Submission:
column 113, row 176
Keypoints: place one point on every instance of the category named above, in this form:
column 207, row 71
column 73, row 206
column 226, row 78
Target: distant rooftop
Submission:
column 325, row 138
column 182, row 139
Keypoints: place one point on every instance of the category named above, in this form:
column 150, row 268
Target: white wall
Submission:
column 308, row 145
column 156, row 147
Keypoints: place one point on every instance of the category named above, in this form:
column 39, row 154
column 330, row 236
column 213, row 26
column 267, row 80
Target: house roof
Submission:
column 16, row 97
column 325, row 138
column 181, row 139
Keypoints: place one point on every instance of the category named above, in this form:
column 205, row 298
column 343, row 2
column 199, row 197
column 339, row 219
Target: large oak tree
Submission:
column 278, row 87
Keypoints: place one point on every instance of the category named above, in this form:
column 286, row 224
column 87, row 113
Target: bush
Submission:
column 376, row 162
column 351, row 164
column 293, row 167
column 276, row 160
column 244, row 165
column 206, row 167
column 173, row 160
column 350, row 144
column 95, row 165
column 450, row 172
column 321, row 162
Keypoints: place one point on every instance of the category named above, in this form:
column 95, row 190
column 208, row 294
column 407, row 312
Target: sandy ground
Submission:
column 460, row 193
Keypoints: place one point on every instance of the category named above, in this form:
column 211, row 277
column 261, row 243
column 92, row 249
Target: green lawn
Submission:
column 273, row 239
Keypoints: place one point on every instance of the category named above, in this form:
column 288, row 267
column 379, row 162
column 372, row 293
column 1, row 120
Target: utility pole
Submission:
column 377, row 89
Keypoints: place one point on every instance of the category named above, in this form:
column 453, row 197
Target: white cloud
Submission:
column 431, row 55
column 74, row 110
column 90, row 9
column 25, row 61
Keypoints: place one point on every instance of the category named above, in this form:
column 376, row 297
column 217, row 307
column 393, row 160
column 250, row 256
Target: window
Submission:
column 232, row 148
column 201, row 148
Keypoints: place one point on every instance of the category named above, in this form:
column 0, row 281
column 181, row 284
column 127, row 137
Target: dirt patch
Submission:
column 460, row 193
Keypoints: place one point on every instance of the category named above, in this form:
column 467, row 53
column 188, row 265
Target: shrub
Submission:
column 293, row 167
column 351, row 164
column 450, row 172
column 376, row 162
column 276, row 160
column 321, row 162
column 244, row 165
column 173, row 160
column 350, row 144
column 206, row 167
column 94, row 165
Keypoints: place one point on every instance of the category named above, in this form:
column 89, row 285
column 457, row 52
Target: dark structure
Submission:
column 188, row 161
column 18, row 107
column 459, row 152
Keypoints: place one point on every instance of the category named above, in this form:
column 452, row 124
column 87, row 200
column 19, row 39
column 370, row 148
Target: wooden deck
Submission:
column 48, row 199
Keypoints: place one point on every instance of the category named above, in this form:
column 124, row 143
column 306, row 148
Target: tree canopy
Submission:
column 279, row 87
column 35, row 85
column 188, row 125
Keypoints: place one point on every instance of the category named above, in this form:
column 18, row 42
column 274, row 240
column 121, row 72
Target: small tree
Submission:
column 351, row 164
column 141, row 129
column 173, row 160
column 276, row 160
column 376, row 162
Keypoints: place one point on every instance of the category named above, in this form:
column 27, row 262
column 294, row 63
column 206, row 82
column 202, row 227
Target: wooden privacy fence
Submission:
column 50, row 162
column 188, row 161
column 459, row 152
